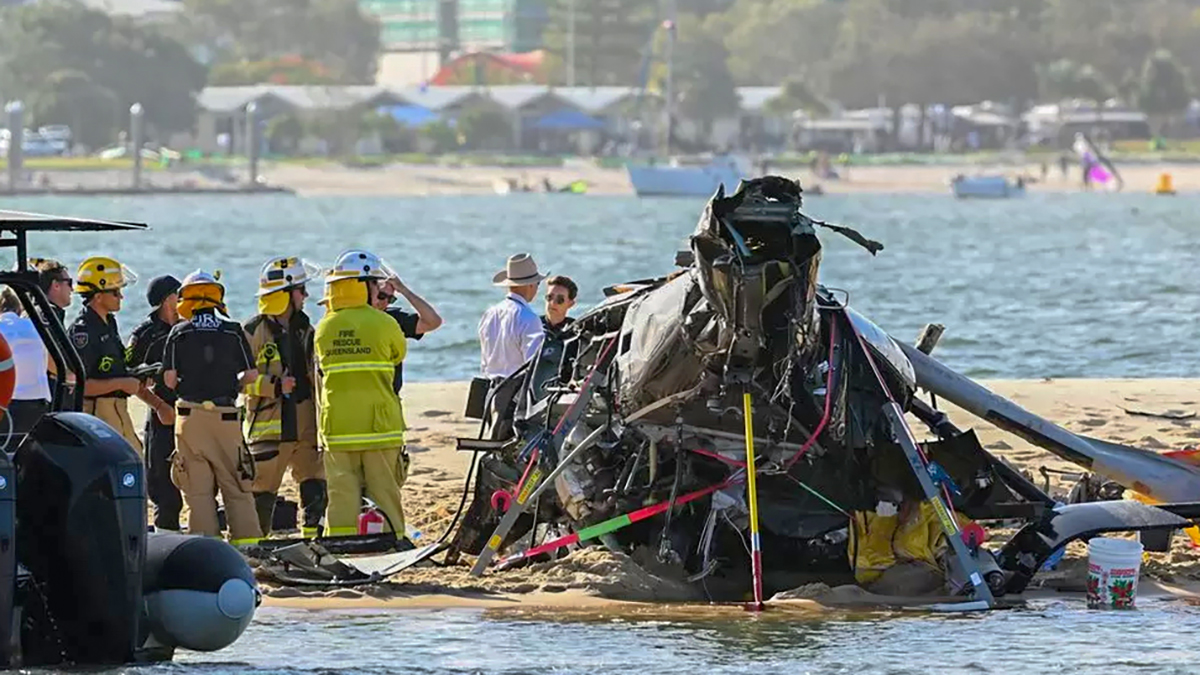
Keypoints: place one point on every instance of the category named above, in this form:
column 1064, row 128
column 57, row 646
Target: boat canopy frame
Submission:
column 15, row 227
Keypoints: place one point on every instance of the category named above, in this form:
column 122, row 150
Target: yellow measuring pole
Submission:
column 752, row 496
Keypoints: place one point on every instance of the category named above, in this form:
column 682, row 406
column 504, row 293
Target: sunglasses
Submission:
column 381, row 296
column 556, row 299
column 64, row 280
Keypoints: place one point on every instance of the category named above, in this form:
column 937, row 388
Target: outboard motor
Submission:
column 81, row 535
column 200, row 594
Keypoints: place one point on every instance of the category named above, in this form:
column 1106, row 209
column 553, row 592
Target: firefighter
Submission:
column 361, row 425
column 207, row 361
column 281, row 413
column 146, row 348
column 100, row 281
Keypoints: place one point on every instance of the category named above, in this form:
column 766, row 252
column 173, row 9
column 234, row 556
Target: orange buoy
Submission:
column 8, row 374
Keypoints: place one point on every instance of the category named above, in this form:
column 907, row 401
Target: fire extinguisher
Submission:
column 370, row 521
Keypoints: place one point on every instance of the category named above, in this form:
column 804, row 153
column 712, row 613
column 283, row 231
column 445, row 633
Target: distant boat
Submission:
column 675, row 180
column 987, row 187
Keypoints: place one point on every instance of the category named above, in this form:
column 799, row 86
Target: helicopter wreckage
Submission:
column 738, row 421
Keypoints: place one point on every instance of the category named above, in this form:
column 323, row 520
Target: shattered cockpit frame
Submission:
column 633, row 433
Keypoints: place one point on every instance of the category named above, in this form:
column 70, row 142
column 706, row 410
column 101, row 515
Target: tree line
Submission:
column 863, row 52
column 74, row 65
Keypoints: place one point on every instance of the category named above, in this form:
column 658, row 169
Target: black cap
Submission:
column 160, row 288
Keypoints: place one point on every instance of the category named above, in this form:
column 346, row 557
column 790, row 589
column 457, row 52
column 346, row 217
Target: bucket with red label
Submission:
column 1113, row 569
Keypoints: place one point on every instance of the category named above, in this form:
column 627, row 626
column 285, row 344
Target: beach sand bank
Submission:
column 413, row 180
column 592, row 578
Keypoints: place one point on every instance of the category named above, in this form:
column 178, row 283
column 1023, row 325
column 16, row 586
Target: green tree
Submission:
column 797, row 95
column 770, row 41
column 334, row 33
column 81, row 67
column 1065, row 79
column 704, row 88
column 484, row 129
column 612, row 39
column 1165, row 88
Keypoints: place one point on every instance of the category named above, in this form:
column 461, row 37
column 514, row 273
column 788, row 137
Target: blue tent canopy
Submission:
column 410, row 115
column 566, row 119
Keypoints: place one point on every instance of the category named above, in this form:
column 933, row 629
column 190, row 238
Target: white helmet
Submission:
column 359, row 264
column 279, row 274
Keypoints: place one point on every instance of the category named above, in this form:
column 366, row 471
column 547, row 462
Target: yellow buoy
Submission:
column 1166, row 185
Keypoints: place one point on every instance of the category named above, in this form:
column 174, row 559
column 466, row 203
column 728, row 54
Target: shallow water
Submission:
column 1080, row 285
column 1052, row 285
column 1047, row 637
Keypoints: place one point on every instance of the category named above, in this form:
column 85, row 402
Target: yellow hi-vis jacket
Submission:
column 357, row 351
column 266, row 419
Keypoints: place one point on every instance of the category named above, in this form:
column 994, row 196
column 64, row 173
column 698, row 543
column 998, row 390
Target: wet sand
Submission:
column 413, row 180
column 593, row 577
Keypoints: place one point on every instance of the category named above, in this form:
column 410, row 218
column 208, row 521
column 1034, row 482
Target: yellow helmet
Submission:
column 201, row 290
column 98, row 274
column 280, row 274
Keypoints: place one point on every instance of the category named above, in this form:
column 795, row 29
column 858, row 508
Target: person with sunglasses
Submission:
column 414, row 324
column 561, row 292
column 100, row 282
column 281, row 413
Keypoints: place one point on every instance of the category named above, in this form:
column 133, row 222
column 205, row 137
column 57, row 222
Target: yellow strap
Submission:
column 309, row 532
column 342, row 531
column 359, row 367
column 249, row 541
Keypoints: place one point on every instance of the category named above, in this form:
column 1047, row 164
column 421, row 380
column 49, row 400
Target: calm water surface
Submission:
column 1048, row 637
column 1083, row 285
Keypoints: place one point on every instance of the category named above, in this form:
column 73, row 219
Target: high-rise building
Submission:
column 451, row 26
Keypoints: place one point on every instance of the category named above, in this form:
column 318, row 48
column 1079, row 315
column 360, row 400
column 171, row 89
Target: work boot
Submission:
column 264, row 505
column 313, row 499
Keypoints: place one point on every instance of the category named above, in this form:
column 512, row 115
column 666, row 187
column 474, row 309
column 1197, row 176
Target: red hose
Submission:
column 828, row 401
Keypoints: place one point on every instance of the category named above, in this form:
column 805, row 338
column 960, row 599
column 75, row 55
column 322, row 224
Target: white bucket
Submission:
column 1113, row 568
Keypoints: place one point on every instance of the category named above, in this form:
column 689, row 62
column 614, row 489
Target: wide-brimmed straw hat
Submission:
column 521, row 270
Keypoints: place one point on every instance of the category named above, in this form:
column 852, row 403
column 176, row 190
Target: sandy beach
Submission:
column 412, row 180
column 593, row 577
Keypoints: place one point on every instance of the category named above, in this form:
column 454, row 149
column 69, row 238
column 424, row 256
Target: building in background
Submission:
column 420, row 36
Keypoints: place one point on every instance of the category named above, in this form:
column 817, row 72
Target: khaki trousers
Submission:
column 301, row 455
column 115, row 412
column 210, row 456
column 381, row 472
column 272, row 459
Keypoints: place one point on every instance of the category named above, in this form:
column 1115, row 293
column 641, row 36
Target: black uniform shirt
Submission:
column 146, row 347
column 556, row 332
column 99, row 346
column 408, row 325
column 208, row 352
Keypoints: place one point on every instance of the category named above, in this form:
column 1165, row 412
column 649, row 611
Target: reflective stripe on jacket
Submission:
column 265, row 403
column 357, row 350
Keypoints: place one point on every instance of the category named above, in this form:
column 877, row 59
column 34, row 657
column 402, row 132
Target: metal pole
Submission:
column 571, row 44
column 16, row 137
column 136, row 129
column 669, row 89
column 252, row 140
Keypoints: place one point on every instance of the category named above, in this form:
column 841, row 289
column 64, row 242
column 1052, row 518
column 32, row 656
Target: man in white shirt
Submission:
column 511, row 332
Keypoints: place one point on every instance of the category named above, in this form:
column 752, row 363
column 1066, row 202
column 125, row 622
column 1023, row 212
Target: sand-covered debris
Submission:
column 592, row 571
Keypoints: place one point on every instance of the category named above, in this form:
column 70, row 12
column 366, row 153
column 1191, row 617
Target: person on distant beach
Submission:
column 510, row 332
column 100, row 281
column 561, row 292
column 146, row 347
column 414, row 324
column 1064, row 165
